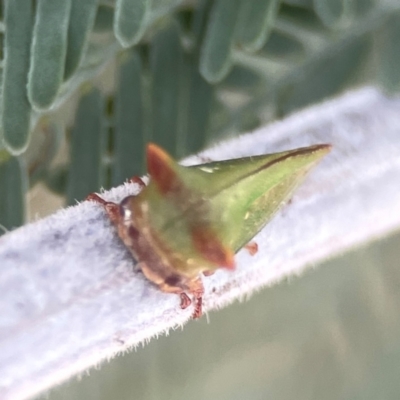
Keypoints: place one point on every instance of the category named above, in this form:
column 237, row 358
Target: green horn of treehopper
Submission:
column 190, row 221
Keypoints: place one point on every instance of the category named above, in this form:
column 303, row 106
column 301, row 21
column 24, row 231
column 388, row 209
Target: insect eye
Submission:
column 125, row 207
column 172, row 280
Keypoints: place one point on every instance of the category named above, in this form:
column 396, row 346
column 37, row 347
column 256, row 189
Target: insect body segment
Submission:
column 191, row 221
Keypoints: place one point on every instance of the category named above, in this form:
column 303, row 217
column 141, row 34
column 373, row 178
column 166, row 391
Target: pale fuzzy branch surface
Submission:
column 71, row 298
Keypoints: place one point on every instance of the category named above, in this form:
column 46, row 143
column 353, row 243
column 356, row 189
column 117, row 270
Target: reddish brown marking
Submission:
column 159, row 165
column 196, row 289
column 138, row 181
column 111, row 208
column 95, row 197
column 208, row 273
column 133, row 232
column 207, row 243
column 185, row 301
column 198, row 308
column 198, row 297
column 252, row 248
column 198, row 305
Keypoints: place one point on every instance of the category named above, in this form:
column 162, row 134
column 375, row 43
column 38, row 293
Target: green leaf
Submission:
column 88, row 142
column 256, row 20
column 241, row 77
column 199, row 22
column 46, row 140
column 81, row 23
column 300, row 3
column 16, row 110
column 13, row 186
column 129, row 136
column 200, row 105
column 281, row 45
column 324, row 76
column 49, row 48
column 389, row 54
column 330, row 11
column 215, row 60
column 104, row 19
column 4, row 155
column 130, row 20
column 166, row 69
column 303, row 18
column 362, row 7
column 57, row 178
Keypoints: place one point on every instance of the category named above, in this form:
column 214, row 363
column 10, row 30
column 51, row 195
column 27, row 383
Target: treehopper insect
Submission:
column 190, row 221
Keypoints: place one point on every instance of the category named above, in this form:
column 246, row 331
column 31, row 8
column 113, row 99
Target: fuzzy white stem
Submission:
column 71, row 298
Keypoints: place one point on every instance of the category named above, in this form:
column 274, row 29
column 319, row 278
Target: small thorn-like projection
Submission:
column 209, row 245
column 252, row 248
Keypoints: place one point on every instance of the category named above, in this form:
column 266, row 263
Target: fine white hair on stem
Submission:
column 70, row 296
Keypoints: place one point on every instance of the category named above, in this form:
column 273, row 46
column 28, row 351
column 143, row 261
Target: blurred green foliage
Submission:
column 187, row 73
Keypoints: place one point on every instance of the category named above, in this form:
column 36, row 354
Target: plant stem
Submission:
column 70, row 297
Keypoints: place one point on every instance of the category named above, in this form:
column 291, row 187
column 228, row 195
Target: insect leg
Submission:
column 198, row 307
column 111, row 208
column 185, row 301
column 197, row 289
column 138, row 181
